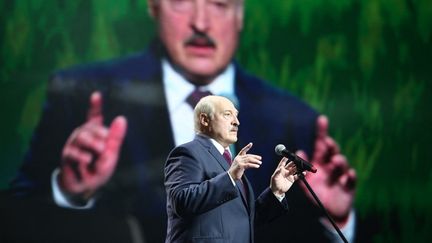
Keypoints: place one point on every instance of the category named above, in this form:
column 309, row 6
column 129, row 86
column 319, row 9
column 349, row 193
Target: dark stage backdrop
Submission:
column 366, row 64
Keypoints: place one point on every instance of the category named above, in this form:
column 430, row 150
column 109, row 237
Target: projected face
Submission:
column 200, row 35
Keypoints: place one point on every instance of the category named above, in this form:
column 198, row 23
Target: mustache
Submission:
column 201, row 39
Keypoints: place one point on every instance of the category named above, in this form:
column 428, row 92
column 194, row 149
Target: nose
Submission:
column 236, row 121
column 200, row 18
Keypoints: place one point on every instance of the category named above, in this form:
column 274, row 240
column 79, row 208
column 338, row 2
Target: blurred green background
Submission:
column 366, row 64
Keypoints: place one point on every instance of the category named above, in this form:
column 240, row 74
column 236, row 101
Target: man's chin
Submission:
column 201, row 71
column 233, row 140
column 201, row 66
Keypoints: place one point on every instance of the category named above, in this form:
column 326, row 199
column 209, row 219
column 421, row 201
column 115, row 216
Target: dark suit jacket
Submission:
column 132, row 87
column 202, row 203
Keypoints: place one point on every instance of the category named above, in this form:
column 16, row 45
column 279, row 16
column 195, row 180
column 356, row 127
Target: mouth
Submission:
column 201, row 51
column 200, row 45
column 201, row 41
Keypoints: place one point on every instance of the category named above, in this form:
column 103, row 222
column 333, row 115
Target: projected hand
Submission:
column 90, row 154
column 334, row 182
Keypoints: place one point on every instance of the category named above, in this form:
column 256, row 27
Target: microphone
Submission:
column 300, row 163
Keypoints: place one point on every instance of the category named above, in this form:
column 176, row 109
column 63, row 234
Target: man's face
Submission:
column 223, row 127
column 200, row 35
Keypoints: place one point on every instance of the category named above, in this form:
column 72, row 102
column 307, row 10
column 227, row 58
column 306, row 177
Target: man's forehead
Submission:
column 225, row 103
column 229, row 107
column 232, row 110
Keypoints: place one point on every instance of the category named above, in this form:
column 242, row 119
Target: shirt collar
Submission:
column 177, row 88
column 218, row 146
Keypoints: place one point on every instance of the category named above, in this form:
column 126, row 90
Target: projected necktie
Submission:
column 195, row 96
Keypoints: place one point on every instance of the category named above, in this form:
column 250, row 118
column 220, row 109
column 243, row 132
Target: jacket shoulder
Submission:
column 130, row 74
column 269, row 96
column 134, row 66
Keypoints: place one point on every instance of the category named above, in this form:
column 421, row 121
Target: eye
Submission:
column 221, row 4
column 180, row 1
column 227, row 115
column 181, row 5
column 219, row 7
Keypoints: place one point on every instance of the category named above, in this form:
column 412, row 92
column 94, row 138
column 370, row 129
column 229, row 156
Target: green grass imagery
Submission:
column 363, row 63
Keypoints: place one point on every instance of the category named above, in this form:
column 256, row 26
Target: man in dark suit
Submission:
column 78, row 160
column 208, row 197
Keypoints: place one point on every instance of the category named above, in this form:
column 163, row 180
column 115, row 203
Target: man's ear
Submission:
column 204, row 120
column 153, row 8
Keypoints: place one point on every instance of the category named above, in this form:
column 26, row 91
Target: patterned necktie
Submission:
column 227, row 157
column 195, row 96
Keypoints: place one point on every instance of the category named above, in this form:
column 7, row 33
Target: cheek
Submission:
column 173, row 30
column 227, row 39
column 227, row 128
column 230, row 47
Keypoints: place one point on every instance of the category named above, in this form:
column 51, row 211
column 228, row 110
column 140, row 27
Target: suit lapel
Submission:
column 213, row 151
column 223, row 163
column 241, row 186
column 250, row 195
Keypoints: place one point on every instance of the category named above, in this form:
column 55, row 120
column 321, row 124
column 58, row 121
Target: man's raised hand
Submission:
column 244, row 161
column 90, row 154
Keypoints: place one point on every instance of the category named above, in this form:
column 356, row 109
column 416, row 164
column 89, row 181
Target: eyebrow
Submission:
column 232, row 111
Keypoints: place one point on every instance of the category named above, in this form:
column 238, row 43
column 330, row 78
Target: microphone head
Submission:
column 279, row 148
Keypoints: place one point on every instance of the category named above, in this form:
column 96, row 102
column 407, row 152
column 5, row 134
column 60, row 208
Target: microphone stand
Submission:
column 303, row 179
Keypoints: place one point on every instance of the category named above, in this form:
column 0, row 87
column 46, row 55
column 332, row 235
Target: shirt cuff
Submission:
column 61, row 199
column 280, row 198
column 232, row 180
column 348, row 230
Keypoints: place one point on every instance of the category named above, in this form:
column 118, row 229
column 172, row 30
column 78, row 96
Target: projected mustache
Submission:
column 200, row 39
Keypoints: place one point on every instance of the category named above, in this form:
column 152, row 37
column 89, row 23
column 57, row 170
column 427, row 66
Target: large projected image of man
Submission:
column 107, row 128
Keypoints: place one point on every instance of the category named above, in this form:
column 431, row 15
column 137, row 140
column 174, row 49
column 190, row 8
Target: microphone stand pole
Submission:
column 302, row 178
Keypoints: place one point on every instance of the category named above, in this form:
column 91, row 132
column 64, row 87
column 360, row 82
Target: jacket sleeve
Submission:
column 268, row 208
